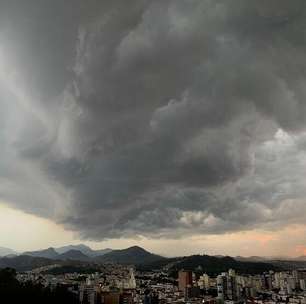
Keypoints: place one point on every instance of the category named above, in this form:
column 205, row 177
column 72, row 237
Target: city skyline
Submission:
column 179, row 126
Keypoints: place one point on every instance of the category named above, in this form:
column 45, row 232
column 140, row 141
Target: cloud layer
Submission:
column 155, row 118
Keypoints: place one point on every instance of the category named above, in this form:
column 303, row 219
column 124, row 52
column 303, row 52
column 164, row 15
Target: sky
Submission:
column 179, row 126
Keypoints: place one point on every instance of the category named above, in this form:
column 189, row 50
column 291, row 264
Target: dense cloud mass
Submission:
column 156, row 118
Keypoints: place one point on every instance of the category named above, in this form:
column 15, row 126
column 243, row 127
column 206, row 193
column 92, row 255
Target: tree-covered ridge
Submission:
column 209, row 264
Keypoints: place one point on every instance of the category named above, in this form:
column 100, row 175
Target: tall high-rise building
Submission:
column 88, row 294
column 227, row 287
column 204, row 281
column 222, row 286
column 232, row 272
column 132, row 280
column 267, row 281
column 302, row 284
column 184, row 279
column 300, row 274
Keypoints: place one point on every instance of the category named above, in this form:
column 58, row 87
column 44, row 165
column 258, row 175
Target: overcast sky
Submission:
column 163, row 123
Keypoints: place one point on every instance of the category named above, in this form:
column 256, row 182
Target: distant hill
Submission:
column 301, row 258
column 84, row 249
column 73, row 255
column 6, row 251
column 24, row 262
column 288, row 264
column 49, row 253
column 212, row 265
column 251, row 259
column 133, row 255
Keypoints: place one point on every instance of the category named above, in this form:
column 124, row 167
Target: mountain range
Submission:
column 69, row 251
column 49, row 253
column 34, row 259
column 86, row 250
column 142, row 259
column 53, row 253
column 132, row 255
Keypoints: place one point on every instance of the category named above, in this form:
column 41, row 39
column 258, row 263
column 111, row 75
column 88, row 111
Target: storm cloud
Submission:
column 154, row 118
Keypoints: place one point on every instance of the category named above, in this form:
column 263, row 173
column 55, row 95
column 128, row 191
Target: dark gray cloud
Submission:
column 154, row 117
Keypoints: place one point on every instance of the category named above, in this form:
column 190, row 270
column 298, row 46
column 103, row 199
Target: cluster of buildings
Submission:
column 123, row 285
column 231, row 288
column 117, row 287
